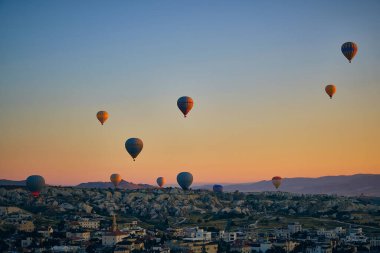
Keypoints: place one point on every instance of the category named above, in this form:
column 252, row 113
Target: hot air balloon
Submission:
column 134, row 147
column 102, row 116
column 185, row 179
column 217, row 188
column 349, row 50
column 35, row 184
column 276, row 181
column 330, row 90
column 115, row 179
column 185, row 104
column 161, row 181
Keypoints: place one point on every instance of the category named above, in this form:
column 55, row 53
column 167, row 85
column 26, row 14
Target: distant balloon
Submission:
column 134, row 147
column 276, row 181
column 161, row 181
column 185, row 104
column 217, row 188
column 330, row 90
column 35, row 184
column 349, row 50
column 185, row 179
column 115, row 179
column 102, row 116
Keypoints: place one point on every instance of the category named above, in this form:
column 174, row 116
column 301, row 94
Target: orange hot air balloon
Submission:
column 276, row 181
column 102, row 116
column 115, row 179
column 330, row 90
column 161, row 181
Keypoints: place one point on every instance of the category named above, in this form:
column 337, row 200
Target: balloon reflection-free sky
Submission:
column 255, row 69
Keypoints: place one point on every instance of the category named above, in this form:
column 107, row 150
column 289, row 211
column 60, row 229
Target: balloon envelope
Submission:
column 330, row 90
column 217, row 188
column 349, row 50
column 102, row 116
column 185, row 104
column 115, row 179
column 276, row 181
column 134, row 147
column 161, row 181
column 35, row 184
column 185, row 179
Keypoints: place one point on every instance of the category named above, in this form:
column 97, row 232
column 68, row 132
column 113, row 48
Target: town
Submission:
column 68, row 219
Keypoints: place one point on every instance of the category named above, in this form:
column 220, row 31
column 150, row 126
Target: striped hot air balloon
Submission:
column 102, row 116
column 349, row 50
column 185, row 104
column 35, row 184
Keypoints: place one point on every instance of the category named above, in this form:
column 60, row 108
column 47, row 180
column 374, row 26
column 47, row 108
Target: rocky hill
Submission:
column 354, row 185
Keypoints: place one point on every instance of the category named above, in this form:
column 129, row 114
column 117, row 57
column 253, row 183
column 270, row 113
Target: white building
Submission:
column 198, row 235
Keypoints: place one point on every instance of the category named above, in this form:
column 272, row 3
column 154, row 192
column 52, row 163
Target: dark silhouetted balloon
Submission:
column 35, row 184
column 217, row 188
column 276, row 181
column 185, row 104
column 161, row 181
column 349, row 50
column 330, row 90
column 185, row 179
column 115, row 179
column 102, row 116
column 134, row 147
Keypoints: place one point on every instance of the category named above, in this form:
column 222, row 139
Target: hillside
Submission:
column 354, row 185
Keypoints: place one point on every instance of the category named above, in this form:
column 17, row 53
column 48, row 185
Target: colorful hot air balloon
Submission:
column 217, row 188
column 161, row 181
column 35, row 184
column 102, row 116
column 185, row 104
column 134, row 147
column 185, row 179
column 115, row 179
column 349, row 50
column 276, row 181
column 330, row 90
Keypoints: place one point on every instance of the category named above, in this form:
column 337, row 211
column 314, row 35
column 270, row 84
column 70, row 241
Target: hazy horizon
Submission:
column 256, row 72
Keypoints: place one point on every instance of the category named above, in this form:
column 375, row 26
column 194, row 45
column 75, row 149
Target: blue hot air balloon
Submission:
column 35, row 184
column 349, row 50
column 185, row 104
column 185, row 179
column 134, row 147
column 217, row 188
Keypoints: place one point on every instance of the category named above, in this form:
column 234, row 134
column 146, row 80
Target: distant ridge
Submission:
column 354, row 185
column 123, row 185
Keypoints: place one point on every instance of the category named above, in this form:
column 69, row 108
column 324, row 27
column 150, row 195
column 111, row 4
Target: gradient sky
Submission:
column 255, row 69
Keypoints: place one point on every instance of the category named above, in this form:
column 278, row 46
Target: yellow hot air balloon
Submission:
column 115, row 179
column 276, row 181
column 330, row 90
column 102, row 116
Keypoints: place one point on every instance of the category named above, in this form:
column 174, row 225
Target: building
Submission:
column 89, row 224
column 114, row 236
column 294, row 227
column 26, row 226
column 78, row 235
